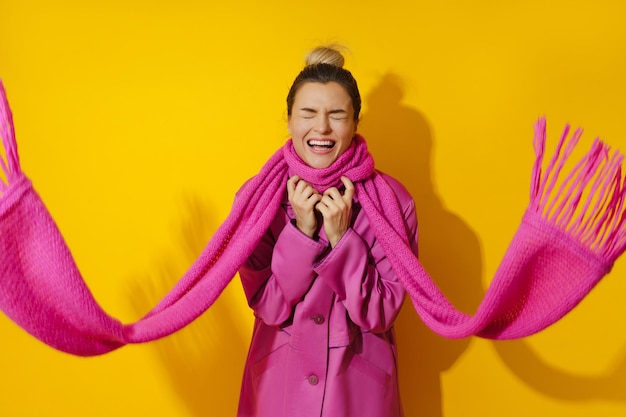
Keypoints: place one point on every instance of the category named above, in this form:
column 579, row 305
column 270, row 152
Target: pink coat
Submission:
column 323, row 341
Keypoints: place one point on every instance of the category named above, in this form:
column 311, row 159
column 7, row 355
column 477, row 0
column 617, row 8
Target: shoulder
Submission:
column 403, row 195
column 249, row 185
column 244, row 186
column 252, row 183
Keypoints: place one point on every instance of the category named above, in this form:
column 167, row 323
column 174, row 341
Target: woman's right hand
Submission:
column 303, row 198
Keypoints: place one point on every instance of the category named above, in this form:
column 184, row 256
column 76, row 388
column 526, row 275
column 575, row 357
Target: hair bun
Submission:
column 325, row 55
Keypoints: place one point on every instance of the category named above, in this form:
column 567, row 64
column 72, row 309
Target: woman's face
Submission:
column 321, row 123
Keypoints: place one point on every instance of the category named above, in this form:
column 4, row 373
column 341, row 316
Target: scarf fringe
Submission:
column 589, row 202
column 10, row 164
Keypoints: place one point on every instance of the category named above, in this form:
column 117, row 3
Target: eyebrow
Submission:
column 336, row 111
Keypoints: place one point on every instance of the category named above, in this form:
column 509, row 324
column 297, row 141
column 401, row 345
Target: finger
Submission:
column 330, row 205
column 307, row 192
column 291, row 185
column 333, row 193
column 303, row 187
column 313, row 200
column 293, row 180
column 322, row 208
column 349, row 192
column 336, row 202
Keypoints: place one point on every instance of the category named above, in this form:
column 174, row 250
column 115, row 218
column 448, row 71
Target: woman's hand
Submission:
column 336, row 209
column 303, row 198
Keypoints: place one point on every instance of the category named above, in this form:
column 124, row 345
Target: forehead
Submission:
column 330, row 94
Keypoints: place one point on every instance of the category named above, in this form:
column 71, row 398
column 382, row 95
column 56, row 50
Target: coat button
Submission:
column 313, row 380
column 319, row 319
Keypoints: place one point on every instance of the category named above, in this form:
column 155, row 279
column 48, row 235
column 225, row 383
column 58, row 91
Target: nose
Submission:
column 322, row 125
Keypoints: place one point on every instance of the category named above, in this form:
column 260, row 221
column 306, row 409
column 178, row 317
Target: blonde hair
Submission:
column 324, row 64
column 326, row 54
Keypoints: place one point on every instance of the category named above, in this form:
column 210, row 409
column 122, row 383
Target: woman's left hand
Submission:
column 336, row 209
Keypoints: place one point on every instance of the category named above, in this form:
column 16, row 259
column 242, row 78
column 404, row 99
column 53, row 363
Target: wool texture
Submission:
column 569, row 238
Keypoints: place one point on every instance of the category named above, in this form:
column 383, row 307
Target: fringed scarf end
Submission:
column 9, row 162
column 588, row 203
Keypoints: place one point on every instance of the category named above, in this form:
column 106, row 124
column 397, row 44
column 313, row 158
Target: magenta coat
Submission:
column 323, row 341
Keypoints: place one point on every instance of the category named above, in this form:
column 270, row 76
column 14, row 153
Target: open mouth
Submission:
column 321, row 144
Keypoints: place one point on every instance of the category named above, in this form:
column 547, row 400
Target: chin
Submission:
column 323, row 162
column 320, row 164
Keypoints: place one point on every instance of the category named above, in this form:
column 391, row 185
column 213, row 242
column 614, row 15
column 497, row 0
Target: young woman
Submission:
column 323, row 293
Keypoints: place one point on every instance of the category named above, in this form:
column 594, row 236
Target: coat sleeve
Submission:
column 280, row 272
column 363, row 279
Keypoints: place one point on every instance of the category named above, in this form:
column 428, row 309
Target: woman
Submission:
column 323, row 293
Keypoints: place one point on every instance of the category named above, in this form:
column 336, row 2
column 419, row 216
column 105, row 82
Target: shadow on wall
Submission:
column 530, row 368
column 401, row 141
column 204, row 360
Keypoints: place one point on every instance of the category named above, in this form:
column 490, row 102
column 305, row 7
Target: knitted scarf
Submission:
column 569, row 238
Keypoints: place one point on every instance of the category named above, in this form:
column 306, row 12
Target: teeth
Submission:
column 326, row 143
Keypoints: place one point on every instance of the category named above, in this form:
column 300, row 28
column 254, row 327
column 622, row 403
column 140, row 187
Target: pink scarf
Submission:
column 567, row 241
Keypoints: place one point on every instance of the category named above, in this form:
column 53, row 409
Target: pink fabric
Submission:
column 323, row 314
column 552, row 263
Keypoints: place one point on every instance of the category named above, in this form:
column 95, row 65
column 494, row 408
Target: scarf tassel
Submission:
column 10, row 164
column 588, row 204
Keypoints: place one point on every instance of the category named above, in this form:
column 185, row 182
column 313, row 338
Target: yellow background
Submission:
column 138, row 120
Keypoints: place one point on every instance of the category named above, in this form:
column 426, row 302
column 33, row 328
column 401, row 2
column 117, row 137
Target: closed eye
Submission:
column 338, row 114
column 307, row 113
